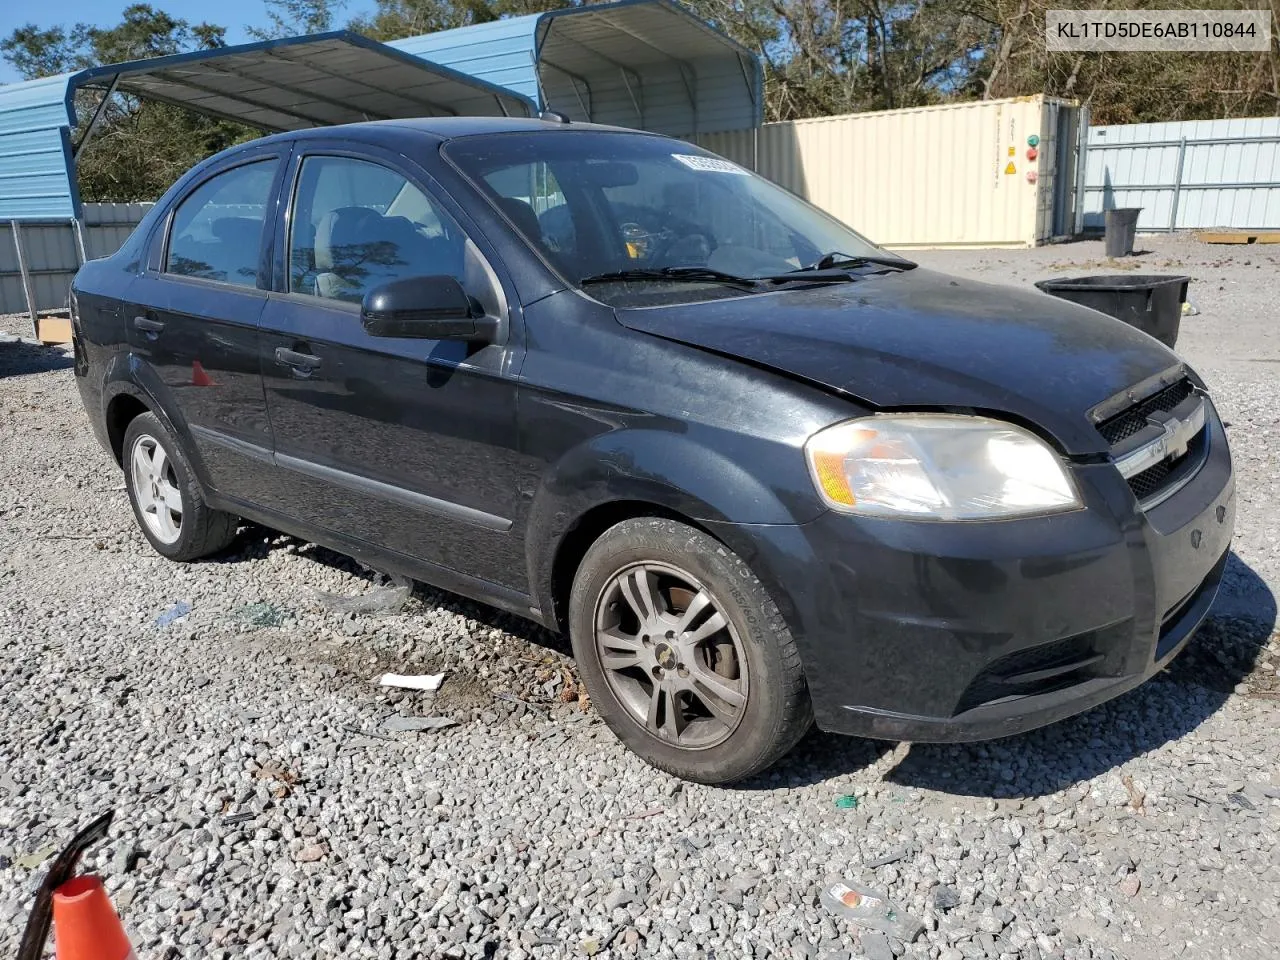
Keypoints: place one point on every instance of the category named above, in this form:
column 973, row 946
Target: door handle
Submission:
column 291, row 358
column 147, row 325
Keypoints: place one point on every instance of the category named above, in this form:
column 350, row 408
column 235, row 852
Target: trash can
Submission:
column 1152, row 303
column 1121, row 224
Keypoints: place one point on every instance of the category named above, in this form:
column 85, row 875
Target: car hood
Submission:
column 925, row 340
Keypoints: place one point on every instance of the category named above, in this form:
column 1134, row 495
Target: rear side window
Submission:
column 217, row 229
column 357, row 224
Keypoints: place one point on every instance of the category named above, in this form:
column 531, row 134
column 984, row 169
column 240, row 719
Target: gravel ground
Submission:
column 265, row 807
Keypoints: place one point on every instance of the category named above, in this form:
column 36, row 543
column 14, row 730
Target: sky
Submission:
column 235, row 15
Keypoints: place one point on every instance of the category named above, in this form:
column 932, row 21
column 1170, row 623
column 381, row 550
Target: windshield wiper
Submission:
column 672, row 275
column 836, row 260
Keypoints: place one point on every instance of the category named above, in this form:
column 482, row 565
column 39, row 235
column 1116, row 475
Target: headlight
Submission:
column 937, row 467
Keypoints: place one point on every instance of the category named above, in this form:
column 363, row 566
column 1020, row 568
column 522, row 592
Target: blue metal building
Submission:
column 648, row 64
column 276, row 85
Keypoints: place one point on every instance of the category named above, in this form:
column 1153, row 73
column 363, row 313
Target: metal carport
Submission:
column 289, row 84
column 647, row 64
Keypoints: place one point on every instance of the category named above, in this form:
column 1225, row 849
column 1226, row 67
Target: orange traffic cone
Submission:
column 85, row 925
column 200, row 378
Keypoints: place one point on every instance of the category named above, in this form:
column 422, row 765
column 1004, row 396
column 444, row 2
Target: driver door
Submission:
column 407, row 444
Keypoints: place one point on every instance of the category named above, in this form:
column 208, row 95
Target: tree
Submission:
column 291, row 18
column 43, row 53
column 394, row 19
column 147, row 32
column 1128, row 87
column 843, row 56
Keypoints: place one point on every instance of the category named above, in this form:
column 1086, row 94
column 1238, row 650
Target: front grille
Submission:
column 1035, row 670
column 1125, row 424
column 1152, row 479
column 1134, row 428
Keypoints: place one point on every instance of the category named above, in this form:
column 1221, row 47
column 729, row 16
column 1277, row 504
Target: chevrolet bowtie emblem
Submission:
column 1176, row 438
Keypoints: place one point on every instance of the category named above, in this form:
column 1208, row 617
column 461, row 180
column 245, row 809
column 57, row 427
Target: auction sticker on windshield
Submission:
column 708, row 164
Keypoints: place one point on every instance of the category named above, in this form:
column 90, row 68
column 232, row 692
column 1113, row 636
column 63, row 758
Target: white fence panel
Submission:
column 1196, row 174
column 52, row 253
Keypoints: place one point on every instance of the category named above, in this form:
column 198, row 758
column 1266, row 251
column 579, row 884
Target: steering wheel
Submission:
column 701, row 243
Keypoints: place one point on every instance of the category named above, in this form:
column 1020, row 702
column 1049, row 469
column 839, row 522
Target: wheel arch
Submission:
column 122, row 410
column 133, row 388
column 577, row 540
column 637, row 473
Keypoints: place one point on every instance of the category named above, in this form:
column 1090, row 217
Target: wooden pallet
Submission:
column 1241, row 236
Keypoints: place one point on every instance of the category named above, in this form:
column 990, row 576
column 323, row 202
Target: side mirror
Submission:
column 427, row 308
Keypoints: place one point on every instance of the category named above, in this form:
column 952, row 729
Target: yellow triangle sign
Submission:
column 1010, row 168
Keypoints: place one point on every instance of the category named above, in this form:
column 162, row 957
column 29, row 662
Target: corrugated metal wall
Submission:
column 1189, row 175
column 53, row 256
column 108, row 225
column 500, row 52
column 35, row 149
column 638, row 63
column 1055, row 168
column 934, row 176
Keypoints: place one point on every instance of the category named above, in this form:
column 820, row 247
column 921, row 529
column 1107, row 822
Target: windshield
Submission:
column 595, row 204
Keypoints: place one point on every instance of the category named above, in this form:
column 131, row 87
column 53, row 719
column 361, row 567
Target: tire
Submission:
column 157, row 475
column 711, row 711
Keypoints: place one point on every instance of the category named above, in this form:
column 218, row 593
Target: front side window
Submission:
column 357, row 224
column 597, row 203
column 217, row 229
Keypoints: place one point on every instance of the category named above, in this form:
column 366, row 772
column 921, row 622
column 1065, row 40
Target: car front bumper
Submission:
column 932, row 631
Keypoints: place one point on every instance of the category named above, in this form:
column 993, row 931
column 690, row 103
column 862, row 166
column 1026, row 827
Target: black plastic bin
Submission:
column 1120, row 226
column 1151, row 303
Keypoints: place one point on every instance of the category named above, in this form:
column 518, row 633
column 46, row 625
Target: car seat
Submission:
column 521, row 214
column 345, row 243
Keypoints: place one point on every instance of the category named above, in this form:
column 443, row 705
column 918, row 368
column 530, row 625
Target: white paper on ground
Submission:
column 427, row 681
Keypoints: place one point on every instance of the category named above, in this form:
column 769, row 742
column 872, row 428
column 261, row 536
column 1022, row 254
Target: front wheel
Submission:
column 684, row 653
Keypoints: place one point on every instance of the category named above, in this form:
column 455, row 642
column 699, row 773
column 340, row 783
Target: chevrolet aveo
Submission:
column 761, row 471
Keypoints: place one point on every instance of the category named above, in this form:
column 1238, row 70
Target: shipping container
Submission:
column 995, row 173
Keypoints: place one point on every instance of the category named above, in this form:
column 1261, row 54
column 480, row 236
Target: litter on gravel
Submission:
column 869, row 908
column 428, row 682
column 418, row 724
column 260, row 615
column 388, row 599
column 893, row 856
column 32, row 860
column 175, row 613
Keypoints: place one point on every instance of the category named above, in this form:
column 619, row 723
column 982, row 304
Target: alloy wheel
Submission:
column 670, row 655
column 155, row 487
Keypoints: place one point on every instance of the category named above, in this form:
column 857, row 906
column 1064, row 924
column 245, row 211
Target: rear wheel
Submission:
column 166, row 498
column 684, row 653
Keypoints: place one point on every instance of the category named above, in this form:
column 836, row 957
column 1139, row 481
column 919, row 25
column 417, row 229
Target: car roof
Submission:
column 445, row 128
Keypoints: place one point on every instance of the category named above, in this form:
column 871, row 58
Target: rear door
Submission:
column 408, row 444
column 193, row 313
